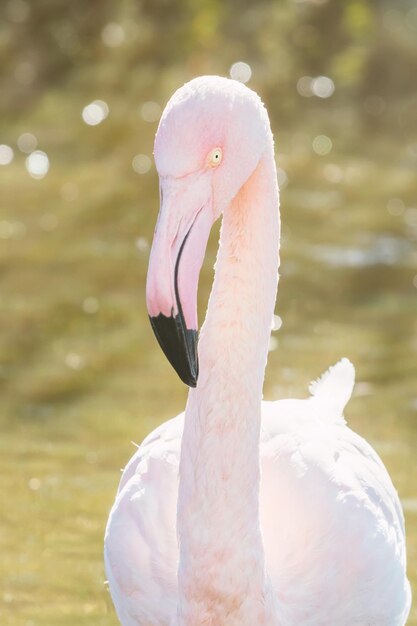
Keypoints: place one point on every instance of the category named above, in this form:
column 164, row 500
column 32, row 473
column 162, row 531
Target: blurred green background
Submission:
column 82, row 87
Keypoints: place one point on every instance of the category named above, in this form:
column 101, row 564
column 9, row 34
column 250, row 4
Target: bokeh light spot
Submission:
column 142, row 244
column 395, row 206
column 37, row 164
column 273, row 344
column 95, row 112
column 322, row 87
column 6, row 154
column 91, row 305
column 6, row 229
column 304, row 86
column 276, row 322
column 333, row 173
column 412, row 149
column 150, row 111
column 74, row 361
column 322, row 144
column 241, row 71
column 113, row 35
column 34, row 484
column 410, row 216
column 141, row 164
column 27, row 142
column 12, row 230
column 282, row 177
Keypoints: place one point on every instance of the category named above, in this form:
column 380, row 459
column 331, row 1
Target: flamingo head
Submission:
column 210, row 139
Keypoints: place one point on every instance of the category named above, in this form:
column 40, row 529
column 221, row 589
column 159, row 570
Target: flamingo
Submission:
column 240, row 512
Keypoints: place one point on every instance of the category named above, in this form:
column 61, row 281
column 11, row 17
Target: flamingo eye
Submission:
column 215, row 157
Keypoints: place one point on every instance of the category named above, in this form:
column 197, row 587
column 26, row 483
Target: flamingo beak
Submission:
column 177, row 254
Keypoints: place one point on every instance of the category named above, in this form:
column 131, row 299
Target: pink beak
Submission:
column 182, row 231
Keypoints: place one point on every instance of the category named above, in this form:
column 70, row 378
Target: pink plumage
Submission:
column 240, row 512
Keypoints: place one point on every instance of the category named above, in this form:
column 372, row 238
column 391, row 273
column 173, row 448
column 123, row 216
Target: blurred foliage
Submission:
column 367, row 47
column 80, row 372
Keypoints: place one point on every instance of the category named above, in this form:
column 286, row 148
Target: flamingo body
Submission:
column 331, row 520
column 240, row 512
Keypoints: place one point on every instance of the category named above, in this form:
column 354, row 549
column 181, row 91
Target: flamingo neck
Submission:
column 222, row 567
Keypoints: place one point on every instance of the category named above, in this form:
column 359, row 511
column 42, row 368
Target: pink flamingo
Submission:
column 240, row 512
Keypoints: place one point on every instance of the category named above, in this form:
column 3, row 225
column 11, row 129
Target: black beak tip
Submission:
column 179, row 345
column 190, row 381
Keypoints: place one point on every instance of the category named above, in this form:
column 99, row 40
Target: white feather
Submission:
column 325, row 498
column 333, row 389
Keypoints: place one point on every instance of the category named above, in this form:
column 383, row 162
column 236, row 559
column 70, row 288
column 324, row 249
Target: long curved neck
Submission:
column 222, row 568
